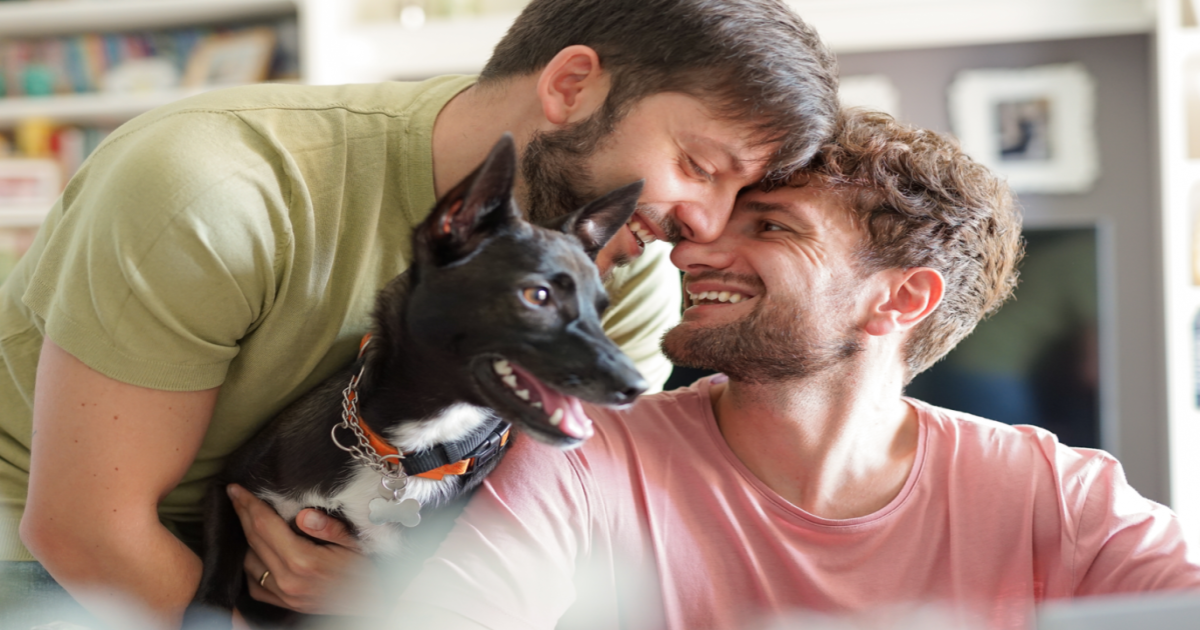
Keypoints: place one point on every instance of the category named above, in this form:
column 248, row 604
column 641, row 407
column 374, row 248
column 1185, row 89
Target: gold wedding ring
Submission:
column 262, row 581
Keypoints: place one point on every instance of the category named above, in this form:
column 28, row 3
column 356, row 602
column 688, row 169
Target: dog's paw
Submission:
column 406, row 512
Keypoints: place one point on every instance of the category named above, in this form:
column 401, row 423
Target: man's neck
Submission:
column 471, row 123
column 838, row 445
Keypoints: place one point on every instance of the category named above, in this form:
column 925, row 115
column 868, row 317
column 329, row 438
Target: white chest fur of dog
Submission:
column 353, row 498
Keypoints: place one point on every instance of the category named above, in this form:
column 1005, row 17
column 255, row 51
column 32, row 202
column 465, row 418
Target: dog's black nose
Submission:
column 627, row 395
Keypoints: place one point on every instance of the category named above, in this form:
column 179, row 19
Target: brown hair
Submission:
column 924, row 203
column 751, row 60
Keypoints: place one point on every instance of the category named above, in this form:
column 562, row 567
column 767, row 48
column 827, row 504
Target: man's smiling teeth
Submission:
column 717, row 296
column 505, row 371
column 642, row 234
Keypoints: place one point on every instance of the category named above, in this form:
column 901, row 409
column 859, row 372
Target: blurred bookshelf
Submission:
column 71, row 71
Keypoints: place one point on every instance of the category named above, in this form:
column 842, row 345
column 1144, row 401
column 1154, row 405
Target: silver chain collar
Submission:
column 387, row 465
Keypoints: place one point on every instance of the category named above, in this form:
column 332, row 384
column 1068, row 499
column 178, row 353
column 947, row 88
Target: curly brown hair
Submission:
column 923, row 203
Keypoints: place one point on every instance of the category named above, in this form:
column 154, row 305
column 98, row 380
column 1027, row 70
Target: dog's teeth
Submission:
column 536, row 405
column 510, row 380
column 523, row 394
column 723, row 296
column 557, row 417
column 502, row 367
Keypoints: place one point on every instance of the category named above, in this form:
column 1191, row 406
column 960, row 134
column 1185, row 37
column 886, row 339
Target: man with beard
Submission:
column 801, row 478
column 216, row 258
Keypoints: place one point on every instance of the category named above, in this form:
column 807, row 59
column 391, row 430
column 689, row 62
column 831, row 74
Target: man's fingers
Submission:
column 303, row 574
column 259, row 588
column 261, row 525
column 254, row 566
column 320, row 525
column 266, row 595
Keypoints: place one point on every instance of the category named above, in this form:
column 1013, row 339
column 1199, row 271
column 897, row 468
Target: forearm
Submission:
column 103, row 454
column 135, row 561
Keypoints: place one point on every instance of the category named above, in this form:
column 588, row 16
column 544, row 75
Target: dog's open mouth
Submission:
column 552, row 414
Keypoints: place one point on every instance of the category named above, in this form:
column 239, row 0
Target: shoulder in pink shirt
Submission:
column 655, row 522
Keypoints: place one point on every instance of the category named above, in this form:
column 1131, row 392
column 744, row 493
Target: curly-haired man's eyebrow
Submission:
column 764, row 206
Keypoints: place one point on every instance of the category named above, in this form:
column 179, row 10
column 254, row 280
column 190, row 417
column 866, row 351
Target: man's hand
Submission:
column 333, row 579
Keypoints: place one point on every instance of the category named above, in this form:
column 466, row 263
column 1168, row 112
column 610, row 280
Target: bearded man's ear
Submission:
column 572, row 86
column 912, row 295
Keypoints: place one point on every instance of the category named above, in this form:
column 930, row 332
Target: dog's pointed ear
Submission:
column 475, row 208
column 596, row 223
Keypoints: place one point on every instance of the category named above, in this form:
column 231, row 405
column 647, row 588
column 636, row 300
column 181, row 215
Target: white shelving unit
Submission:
column 22, row 216
column 1178, row 66
column 97, row 108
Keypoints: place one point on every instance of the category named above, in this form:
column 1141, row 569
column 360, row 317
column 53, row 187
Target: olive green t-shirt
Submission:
column 238, row 239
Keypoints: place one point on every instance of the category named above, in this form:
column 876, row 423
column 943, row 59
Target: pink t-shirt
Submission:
column 655, row 523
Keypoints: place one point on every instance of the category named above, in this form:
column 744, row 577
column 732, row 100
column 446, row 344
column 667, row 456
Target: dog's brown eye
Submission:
column 537, row 296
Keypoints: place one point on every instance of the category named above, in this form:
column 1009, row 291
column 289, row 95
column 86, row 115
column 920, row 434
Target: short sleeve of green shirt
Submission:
column 164, row 258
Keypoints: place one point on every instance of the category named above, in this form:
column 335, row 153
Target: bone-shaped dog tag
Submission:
column 406, row 512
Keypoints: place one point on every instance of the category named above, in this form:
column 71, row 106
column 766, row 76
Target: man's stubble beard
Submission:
column 557, row 171
column 774, row 343
column 558, row 178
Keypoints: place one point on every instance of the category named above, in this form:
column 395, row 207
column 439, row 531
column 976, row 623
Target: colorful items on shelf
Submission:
column 38, row 80
column 67, row 145
column 34, row 138
column 82, row 63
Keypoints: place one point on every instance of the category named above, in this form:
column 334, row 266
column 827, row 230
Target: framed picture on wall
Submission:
column 1035, row 126
column 231, row 59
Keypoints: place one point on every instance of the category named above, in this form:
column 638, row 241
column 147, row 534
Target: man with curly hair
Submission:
column 801, row 478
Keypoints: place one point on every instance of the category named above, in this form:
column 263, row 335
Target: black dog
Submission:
column 495, row 320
